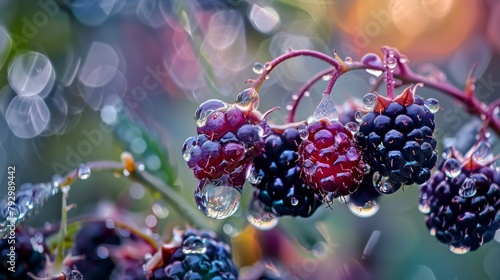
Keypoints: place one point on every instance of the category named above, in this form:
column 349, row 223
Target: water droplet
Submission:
column 483, row 153
column 433, row 231
column 303, row 132
column 194, row 245
column 160, row 209
column 384, row 185
column 424, row 207
column 84, row 171
column 188, row 146
column 326, row 77
column 460, row 250
column 206, row 109
column 326, row 109
column 432, row 104
column 75, row 275
column 392, row 62
column 258, row 217
column 352, row 127
column 468, row 188
column 358, row 116
column 66, row 189
column 452, row 168
column 217, row 200
column 369, row 101
column 294, row 201
column 255, row 176
column 367, row 210
column 247, row 96
column 258, row 68
column 348, row 60
column 403, row 59
column 230, row 230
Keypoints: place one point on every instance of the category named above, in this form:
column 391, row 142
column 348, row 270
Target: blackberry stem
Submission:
column 389, row 72
column 333, row 78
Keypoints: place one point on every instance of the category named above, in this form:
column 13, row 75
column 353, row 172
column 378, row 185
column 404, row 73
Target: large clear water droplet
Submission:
column 206, row 109
column 358, row 116
column 468, row 188
column 459, row 250
column 384, row 185
column 248, row 96
column 483, row 153
column 367, row 210
column 326, row 109
column 303, row 132
column 217, row 200
column 259, row 218
column 255, row 176
column 194, row 245
column 258, row 68
column 432, row 104
column 84, row 171
column 369, row 101
column 352, row 127
column 188, row 146
column 452, row 168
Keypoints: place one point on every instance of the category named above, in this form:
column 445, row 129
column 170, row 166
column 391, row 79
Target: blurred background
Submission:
column 69, row 69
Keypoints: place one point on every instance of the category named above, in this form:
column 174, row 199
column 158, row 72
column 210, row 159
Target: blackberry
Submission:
column 193, row 254
column 461, row 202
column 276, row 177
column 229, row 137
column 99, row 243
column 330, row 162
column 397, row 139
column 29, row 255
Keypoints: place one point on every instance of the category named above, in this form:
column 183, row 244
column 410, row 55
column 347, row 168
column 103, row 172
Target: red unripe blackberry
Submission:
column 229, row 137
column 193, row 254
column 329, row 160
column 461, row 202
column 397, row 139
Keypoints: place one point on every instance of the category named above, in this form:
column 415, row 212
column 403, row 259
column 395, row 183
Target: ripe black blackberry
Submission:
column 397, row 139
column 229, row 137
column 462, row 202
column 193, row 254
column 276, row 176
column 30, row 255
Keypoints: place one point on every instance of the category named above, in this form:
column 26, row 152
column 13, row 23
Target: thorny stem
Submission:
column 174, row 199
column 58, row 264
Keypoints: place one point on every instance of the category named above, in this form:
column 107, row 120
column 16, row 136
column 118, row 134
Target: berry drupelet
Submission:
column 331, row 164
column 28, row 256
column 397, row 139
column 276, row 177
column 461, row 202
column 191, row 255
column 229, row 137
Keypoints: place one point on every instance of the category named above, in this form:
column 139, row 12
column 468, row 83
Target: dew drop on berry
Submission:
column 483, row 153
column 303, row 133
column 83, row 171
column 383, row 185
column 258, row 68
column 294, row 201
column 206, row 109
column 217, row 200
column 367, row 210
column 248, row 96
column 432, row 104
column 352, row 127
column 189, row 144
column 348, row 60
column 424, row 207
column 194, row 245
column 452, row 168
column 255, row 176
column 459, row 250
column 369, row 101
column 259, row 218
column 358, row 116
column 468, row 188
column 75, row 275
column 432, row 232
column 326, row 109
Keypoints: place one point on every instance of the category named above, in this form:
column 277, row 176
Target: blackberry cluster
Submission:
column 96, row 242
column 28, row 256
column 462, row 211
column 229, row 137
column 277, row 177
column 201, row 256
column 331, row 164
column 397, row 139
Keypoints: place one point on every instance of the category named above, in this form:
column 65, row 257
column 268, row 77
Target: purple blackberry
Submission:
column 28, row 256
column 229, row 137
column 276, row 176
column 397, row 139
column 461, row 202
column 193, row 255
